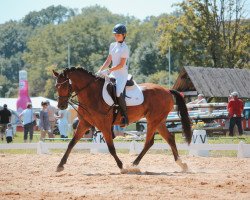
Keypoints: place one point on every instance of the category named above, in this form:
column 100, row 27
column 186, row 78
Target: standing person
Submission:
column 63, row 123
column 235, row 108
column 5, row 118
column 9, row 133
column 118, row 55
column 52, row 119
column 44, row 124
column 28, row 117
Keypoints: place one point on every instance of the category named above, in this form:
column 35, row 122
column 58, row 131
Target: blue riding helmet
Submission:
column 120, row 29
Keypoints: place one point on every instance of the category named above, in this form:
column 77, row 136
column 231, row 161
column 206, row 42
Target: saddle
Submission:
column 111, row 87
column 133, row 92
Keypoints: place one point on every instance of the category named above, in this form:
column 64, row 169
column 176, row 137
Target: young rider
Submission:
column 118, row 54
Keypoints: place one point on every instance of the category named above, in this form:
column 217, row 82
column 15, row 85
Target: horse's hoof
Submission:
column 59, row 169
column 124, row 171
column 184, row 167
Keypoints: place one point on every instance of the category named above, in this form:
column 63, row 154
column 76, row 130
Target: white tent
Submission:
column 36, row 102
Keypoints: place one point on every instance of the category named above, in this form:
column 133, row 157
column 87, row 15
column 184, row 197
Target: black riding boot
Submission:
column 122, row 104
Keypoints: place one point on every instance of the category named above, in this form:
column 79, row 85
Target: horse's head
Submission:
column 64, row 89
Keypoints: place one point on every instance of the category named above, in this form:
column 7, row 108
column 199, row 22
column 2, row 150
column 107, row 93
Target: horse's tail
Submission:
column 183, row 114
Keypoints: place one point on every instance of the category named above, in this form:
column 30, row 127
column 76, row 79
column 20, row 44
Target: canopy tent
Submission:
column 36, row 102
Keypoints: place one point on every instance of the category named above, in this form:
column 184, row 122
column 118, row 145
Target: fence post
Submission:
column 100, row 144
column 199, row 137
column 242, row 151
column 42, row 148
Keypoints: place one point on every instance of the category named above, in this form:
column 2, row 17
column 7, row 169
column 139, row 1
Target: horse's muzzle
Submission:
column 62, row 106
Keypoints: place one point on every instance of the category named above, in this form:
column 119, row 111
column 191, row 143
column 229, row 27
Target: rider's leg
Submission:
column 122, row 104
column 120, row 85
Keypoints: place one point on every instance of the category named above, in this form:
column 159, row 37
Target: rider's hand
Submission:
column 98, row 72
column 104, row 72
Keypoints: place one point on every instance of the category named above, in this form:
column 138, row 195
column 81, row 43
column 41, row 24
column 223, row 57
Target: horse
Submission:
column 93, row 111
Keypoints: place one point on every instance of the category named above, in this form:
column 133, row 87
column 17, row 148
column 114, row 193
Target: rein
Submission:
column 73, row 102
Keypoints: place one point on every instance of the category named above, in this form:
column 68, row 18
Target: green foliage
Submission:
column 208, row 33
column 41, row 40
column 50, row 15
column 13, row 37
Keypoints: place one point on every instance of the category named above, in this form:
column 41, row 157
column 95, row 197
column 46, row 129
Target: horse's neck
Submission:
column 92, row 94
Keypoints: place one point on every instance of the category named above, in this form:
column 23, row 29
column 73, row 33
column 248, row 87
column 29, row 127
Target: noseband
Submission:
column 69, row 90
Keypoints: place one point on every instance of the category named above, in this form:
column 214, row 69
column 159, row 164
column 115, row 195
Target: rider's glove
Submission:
column 104, row 72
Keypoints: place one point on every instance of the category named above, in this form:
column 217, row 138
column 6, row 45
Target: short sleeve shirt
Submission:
column 27, row 116
column 117, row 51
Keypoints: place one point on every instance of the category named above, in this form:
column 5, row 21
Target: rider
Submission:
column 119, row 55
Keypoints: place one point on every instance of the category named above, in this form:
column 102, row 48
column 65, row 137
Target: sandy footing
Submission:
column 88, row 176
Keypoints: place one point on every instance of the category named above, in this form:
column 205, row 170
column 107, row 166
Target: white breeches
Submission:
column 121, row 77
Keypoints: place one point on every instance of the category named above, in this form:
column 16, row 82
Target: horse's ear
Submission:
column 55, row 73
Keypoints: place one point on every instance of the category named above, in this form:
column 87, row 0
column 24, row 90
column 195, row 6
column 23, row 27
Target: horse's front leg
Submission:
column 107, row 134
column 81, row 129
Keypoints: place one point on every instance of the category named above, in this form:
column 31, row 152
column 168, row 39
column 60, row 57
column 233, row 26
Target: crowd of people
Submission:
column 46, row 122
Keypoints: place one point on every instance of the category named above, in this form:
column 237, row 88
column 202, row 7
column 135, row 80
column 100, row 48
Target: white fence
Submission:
column 134, row 147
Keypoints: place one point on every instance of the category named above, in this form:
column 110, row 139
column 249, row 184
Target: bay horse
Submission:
column 93, row 111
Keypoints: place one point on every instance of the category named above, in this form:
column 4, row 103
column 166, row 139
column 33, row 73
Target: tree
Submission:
column 13, row 37
column 50, row 15
column 147, row 59
column 88, row 36
column 209, row 33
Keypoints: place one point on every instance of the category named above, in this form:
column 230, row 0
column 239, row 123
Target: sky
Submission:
column 17, row 9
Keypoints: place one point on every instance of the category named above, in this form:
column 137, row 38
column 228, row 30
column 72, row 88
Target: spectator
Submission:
column 5, row 118
column 44, row 124
column 201, row 99
column 52, row 119
column 63, row 123
column 235, row 108
column 9, row 133
column 28, row 119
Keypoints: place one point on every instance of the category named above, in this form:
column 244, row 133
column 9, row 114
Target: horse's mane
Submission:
column 79, row 69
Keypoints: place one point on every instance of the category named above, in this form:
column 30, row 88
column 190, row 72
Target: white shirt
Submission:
column 27, row 115
column 117, row 51
column 64, row 114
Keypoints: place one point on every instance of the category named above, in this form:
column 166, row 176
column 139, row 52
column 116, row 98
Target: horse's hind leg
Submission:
column 163, row 131
column 82, row 127
column 148, row 143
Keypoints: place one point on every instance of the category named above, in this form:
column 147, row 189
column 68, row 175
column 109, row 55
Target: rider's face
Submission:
column 119, row 37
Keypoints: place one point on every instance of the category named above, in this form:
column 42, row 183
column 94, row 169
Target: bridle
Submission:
column 70, row 90
column 70, row 96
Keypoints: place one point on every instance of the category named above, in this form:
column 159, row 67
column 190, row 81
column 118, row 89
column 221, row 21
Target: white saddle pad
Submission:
column 134, row 95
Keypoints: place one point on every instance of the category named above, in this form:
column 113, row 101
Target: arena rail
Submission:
column 133, row 147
